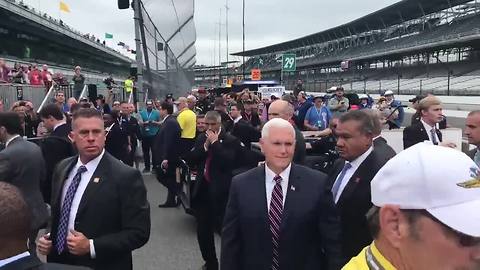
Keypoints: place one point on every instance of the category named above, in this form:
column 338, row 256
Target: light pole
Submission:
column 243, row 51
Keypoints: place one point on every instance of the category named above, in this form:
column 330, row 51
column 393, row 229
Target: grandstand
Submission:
column 409, row 47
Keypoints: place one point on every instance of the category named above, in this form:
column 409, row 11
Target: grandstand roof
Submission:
column 397, row 13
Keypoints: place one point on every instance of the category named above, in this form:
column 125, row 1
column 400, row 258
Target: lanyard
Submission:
column 372, row 262
column 149, row 115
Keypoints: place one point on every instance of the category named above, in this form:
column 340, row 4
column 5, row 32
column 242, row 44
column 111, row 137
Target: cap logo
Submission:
column 473, row 183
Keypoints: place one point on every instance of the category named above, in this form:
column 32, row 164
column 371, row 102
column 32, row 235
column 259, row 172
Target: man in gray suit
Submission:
column 22, row 164
column 472, row 132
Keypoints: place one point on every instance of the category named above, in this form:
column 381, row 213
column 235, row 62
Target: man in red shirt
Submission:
column 46, row 77
column 35, row 76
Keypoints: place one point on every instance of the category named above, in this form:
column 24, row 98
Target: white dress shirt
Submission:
column 270, row 183
column 59, row 124
column 237, row 119
column 10, row 140
column 14, row 258
column 86, row 176
column 355, row 164
column 428, row 129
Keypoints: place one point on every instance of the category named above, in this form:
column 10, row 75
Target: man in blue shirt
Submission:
column 394, row 104
column 150, row 123
column 317, row 117
column 302, row 107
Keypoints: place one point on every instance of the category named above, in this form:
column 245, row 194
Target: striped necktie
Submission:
column 275, row 217
column 62, row 231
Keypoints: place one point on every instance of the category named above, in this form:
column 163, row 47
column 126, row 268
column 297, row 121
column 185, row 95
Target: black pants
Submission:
column 206, row 220
column 147, row 145
column 185, row 146
column 131, row 156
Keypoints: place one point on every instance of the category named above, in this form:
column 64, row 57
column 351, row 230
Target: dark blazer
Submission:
column 113, row 211
column 33, row 263
column 117, row 142
column 354, row 203
column 224, row 160
column 166, row 142
column 54, row 149
column 310, row 230
column 471, row 153
column 300, row 147
column 245, row 132
column 383, row 150
column 415, row 134
column 62, row 131
column 22, row 165
column 133, row 130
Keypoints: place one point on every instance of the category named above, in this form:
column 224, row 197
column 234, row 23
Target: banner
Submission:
column 107, row 35
column 268, row 92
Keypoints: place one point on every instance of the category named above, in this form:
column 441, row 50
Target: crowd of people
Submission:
column 371, row 208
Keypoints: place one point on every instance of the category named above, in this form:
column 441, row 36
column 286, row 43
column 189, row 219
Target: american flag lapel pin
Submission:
column 292, row 188
column 96, row 179
column 357, row 179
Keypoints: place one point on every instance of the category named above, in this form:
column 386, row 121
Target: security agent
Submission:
column 13, row 250
column 427, row 218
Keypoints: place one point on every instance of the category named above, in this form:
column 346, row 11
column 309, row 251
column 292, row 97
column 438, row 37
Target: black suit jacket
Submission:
column 382, row 148
column 117, row 142
column 416, row 133
column 62, row 131
column 54, row 149
column 354, row 203
column 33, row 263
column 166, row 143
column 309, row 237
column 113, row 211
column 471, row 153
column 22, row 165
column 245, row 132
column 225, row 153
column 133, row 130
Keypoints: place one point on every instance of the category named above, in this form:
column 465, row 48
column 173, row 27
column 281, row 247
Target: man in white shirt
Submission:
column 472, row 132
column 351, row 175
column 88, row 186
column 427, row 129
column 280, row 215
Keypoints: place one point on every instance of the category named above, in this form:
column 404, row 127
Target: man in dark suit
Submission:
column 280, row 215
column 165, row 146
column 242, row 129
column 220, row 106
column 54, row 121
column 55, row 147
column 380, row 145
column 22, row 164
column 117, row 142
column 131, row 126
column 87, row 187
column 351, row 176
column 472, row 132
column 13, row 251
column 215, row 155
column 283, row 109
column 426, row 130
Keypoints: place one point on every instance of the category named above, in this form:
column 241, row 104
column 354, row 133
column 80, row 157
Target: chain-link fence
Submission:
column 168, row 35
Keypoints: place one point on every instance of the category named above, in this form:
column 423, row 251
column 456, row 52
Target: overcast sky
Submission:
column 267, row 21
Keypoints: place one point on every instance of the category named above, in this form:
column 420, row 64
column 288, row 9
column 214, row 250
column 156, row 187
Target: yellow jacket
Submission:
column 360, row 261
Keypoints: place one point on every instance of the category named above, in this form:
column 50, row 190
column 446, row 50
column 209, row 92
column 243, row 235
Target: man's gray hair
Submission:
column 278, row 123
column 213, row 115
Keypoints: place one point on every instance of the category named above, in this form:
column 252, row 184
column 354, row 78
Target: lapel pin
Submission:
column 96, row 180
column 357, row 179
column 292, row 188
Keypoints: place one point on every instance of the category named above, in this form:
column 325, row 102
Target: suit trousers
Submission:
column 147, row 146
column 206, row 220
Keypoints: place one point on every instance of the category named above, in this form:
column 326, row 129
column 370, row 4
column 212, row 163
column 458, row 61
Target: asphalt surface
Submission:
column 173, row 241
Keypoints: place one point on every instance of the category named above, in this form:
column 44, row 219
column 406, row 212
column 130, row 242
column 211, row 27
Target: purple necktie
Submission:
column 275, row 217
column 65, row 212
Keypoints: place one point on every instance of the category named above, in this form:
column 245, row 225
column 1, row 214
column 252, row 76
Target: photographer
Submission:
column 339, row 103
column 394, row 105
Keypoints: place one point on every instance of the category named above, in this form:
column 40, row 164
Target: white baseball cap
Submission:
column 441, row 180
column 362, row 96
column 388, row 93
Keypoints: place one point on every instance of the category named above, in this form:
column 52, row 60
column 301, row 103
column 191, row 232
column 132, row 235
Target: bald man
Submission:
column 284, row 110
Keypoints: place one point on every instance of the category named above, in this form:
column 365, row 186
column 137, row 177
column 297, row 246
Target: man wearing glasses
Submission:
column 426, row 219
